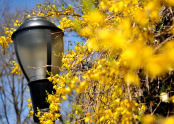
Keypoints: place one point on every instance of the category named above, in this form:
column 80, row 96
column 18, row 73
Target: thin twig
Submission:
column 156, row 108
column 163, row 43
column 45, row 66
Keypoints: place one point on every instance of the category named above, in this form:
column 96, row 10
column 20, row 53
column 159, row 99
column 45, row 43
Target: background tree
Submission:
column 13, row 91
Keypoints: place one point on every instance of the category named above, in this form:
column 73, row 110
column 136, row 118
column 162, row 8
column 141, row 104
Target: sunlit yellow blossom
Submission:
column 16, row 69
column 28, row 100
column 29, row 105
column 170, row 2
column 31, row 114
column 53, row 5
column 169, row 120
column 132, row 78
column 148, row 119
column 95, row 18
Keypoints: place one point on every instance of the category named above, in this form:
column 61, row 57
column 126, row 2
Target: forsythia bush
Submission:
column 123, row 73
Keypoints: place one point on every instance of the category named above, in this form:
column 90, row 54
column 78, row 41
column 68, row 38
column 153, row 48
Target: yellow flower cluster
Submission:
column 29, row 105
column 120, row 36
column 150, row 119
column 65, row 23
column 52, row 11
column 6, row 39
column 15, row 69
column 16, row 23
column 130, row 35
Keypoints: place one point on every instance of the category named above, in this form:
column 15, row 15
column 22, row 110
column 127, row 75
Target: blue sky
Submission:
column 23, row 4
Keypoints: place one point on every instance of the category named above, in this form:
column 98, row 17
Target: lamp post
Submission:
column 36, row 42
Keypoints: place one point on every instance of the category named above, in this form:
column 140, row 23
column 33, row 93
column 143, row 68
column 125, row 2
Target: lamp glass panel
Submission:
column 57, row 49
column 31, row 46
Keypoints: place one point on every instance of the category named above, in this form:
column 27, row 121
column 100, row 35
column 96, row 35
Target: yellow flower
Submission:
column 28, row 100
column 67, row 90
column 64, row 97
column 29, row 105
column 16, row 69
column 139, row 15
column 31, row 114
column 87, row 118
column 148, row 119
column 170, row 2
column 169, row 120
column 17, row 21
column 15, row 24
column 53, row 5
column 94, row 18
column 132, row 78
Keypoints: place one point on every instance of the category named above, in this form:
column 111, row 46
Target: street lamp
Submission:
column 36, row 42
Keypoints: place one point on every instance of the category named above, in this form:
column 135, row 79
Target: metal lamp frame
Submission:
column 38, row 87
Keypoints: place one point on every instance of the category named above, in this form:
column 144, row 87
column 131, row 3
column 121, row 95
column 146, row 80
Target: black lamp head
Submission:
column 36, row 42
